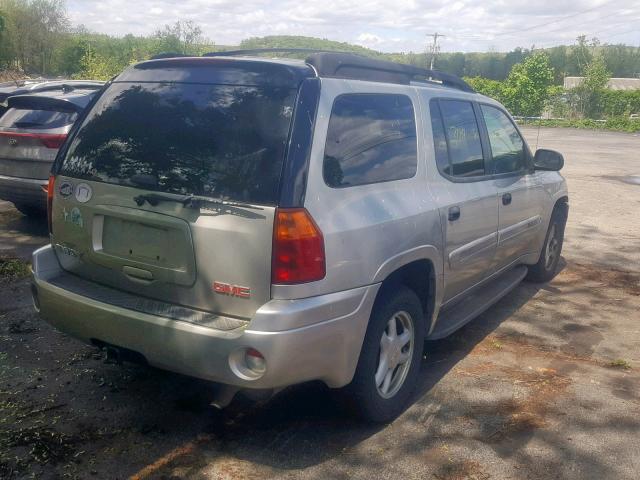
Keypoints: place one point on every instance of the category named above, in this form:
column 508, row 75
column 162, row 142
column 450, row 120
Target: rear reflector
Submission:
column 298, row 248
column 50, row 187
column 49, row 140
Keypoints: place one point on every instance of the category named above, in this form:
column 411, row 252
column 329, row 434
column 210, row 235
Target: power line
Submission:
column 533, row 27
column 558, row 29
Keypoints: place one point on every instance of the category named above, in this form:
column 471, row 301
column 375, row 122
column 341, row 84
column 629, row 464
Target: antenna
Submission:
column 434, row 48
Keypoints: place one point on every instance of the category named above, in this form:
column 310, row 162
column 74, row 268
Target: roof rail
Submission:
column 336, row 64
column 358, row 67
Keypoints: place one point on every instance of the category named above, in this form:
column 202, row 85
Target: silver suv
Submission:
column 261, row 222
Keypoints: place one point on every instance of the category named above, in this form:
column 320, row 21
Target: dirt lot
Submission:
column 546, row 384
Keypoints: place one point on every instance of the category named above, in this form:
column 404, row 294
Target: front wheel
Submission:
column 545, row 269
column 390, row 358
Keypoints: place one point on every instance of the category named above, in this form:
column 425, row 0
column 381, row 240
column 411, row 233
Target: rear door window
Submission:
column 36, row 119
column 462, row 137
column 223, row 141
column 507, row 147
column 371, row 138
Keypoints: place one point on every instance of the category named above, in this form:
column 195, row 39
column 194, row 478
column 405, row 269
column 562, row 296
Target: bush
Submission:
column 486, row 86
column 620, row 102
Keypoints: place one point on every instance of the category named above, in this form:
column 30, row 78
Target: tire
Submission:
column 382, row 402
column 31, row 211
column 545, row 269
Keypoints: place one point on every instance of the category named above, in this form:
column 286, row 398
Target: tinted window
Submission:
column 371, row 138
column 507, row 147
column 463, row 138
column 217, row 140
column 36, row 119
column 439, row 138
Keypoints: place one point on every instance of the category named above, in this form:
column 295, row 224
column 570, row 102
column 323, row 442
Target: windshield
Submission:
column 223, row 141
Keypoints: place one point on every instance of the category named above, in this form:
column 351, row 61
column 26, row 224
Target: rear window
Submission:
column 371, row 138
column 36, row 119
column 222, row 141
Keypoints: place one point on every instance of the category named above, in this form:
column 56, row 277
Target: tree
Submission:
column 488, row 87
column 589, row 92
column 97, row 67
column 181, row 37
column 527, row 87
column 33, row 30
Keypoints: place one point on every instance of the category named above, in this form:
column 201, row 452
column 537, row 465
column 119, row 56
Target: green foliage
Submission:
column 488, row 87
column 618, row 124
column 620, row 102
column 589, row 92
column 294, row 41
column 32, row 30
column 96, row 67
column 526, row 89
column 182, row 37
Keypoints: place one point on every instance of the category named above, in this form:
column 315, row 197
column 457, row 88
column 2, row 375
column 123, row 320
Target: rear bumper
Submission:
column 26, row 191
column 317, row 338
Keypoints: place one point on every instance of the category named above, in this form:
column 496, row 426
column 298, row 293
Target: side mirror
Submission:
column 548, row 160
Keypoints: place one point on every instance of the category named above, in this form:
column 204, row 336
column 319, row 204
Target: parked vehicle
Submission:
column 31, row 131
column 29, row 86
column 262, row 222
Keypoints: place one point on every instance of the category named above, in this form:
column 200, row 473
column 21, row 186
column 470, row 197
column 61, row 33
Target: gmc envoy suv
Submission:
column 263, row 222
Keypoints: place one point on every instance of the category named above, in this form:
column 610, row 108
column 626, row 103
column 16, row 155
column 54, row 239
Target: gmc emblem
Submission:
column 231, row 290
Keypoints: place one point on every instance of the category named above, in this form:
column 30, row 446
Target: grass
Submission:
column 620, row 363
column 13, row 268
column 615, row 124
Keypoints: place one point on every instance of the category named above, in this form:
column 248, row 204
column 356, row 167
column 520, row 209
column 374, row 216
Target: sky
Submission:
column 385, row 25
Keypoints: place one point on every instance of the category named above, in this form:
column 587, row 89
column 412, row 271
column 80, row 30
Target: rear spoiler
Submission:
column 35, row 102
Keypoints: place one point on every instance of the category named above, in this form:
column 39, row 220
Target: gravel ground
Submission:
column 544, row 385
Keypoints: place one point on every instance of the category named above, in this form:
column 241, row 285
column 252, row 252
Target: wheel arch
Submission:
column 419, row 269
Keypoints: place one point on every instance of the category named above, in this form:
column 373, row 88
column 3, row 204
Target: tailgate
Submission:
column 120, row 215
column 197, row 257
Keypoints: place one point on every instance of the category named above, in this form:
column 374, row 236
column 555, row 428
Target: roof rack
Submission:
column 336, row 64
column 358, row 67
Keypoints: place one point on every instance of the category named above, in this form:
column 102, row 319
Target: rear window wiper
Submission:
column 188, row 201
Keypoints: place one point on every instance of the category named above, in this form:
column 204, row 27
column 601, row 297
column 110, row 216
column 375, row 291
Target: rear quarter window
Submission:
column 371, row 138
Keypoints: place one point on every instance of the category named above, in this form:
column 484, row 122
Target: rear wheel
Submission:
column 30, row 210
column 390, row 358
column 545, row 269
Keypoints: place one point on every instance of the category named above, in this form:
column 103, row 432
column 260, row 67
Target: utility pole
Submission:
column 434, row 48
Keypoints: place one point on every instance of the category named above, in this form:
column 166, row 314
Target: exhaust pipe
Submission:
column 223, row 395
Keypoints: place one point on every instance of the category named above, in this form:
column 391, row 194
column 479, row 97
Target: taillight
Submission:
column 298, row 248
column 49, row 140
column 50, row 189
